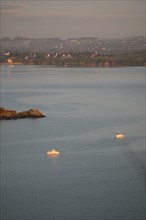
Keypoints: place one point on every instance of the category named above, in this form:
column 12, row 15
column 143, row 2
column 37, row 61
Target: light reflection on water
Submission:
column 95, row 175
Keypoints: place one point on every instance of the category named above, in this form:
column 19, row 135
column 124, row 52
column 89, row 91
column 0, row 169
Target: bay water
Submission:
column 95, row 175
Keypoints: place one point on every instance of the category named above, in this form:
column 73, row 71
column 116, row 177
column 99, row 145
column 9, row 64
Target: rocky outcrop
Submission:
column 11, row 114
column 7, row 114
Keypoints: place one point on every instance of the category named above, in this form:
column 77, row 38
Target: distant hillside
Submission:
column 56, row 45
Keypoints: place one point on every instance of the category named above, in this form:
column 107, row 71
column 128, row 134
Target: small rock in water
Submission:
column 12, row 114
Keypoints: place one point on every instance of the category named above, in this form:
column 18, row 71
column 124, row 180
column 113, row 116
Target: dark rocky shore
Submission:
column 12, row 114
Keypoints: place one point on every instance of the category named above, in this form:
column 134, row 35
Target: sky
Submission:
column 69, row 19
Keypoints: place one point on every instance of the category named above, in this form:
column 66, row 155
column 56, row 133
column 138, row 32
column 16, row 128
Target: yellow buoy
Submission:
column 119, row 136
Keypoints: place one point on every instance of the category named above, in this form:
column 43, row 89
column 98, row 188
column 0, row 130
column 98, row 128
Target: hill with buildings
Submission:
column 75, row 52
column 56, row 45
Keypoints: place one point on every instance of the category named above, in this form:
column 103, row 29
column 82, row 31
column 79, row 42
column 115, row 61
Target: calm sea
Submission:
column 95, row 176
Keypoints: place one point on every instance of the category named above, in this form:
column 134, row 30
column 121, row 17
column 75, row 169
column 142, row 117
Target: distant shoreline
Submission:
column 59, row 66
column 74, row 59
column 7, row 64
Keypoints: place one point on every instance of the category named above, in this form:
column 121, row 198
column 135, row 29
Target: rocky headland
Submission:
column 8, row 114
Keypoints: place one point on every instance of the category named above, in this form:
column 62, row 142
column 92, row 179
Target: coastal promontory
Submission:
column 8, row 114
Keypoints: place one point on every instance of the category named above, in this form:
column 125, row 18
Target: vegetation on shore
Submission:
column 74, row 59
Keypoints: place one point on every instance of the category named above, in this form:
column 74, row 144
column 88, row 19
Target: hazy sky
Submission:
column 67, row 19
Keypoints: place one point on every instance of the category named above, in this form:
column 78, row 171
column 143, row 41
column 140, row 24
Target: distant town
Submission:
column 75, row 52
